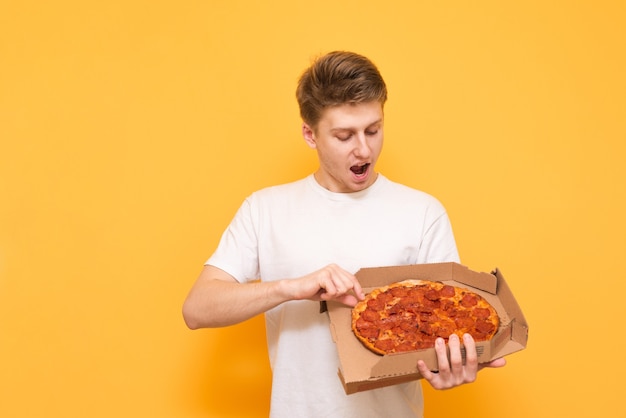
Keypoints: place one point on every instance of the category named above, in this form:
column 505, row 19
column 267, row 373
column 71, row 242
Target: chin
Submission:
column 358, row 186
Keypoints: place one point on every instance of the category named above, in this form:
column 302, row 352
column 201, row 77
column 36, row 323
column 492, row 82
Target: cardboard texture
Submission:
column 360, row 369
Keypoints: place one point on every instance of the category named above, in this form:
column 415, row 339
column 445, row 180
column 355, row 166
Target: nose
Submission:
column 363, row 149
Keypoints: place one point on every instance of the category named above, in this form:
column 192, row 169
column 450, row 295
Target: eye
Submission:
column 344, row 137
column 371, row 132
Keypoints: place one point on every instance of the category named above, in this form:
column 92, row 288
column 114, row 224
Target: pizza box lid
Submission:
column 360, row 369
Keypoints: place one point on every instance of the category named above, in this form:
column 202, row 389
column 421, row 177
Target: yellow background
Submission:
column 132, row 130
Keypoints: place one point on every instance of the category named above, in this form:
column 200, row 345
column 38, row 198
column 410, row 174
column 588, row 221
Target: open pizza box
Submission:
column 360, row 369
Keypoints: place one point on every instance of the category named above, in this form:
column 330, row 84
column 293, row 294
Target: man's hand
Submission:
column 329, row 283
column 453, row 372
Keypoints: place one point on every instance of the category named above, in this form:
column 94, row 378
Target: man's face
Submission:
column 348, row 140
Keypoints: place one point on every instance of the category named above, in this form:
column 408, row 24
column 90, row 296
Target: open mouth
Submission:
column 359, row 170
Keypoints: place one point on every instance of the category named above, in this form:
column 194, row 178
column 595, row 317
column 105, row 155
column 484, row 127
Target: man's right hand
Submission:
column 329, row 283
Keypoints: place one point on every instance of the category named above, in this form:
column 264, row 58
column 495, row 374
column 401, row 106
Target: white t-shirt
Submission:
column 291, row 230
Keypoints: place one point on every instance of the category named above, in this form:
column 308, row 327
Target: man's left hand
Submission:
column 452, row 372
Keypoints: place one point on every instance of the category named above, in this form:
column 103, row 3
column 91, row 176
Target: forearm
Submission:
column 216, row 303
column 218, row 300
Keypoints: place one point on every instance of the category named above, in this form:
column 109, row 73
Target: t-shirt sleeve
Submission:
column 438, row 244
column 237, row 252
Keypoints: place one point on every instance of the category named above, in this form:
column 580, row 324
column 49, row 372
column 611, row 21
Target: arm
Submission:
column 217, row 299
column 453, row 372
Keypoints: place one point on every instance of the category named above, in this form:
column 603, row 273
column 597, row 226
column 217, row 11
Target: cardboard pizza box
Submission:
column 360, row 369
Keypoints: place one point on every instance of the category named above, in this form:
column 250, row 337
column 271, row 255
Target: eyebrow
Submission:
column 377, row 122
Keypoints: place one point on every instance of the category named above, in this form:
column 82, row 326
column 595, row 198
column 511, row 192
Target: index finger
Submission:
column 471, row 356
column 350, row 281
column 357, row 289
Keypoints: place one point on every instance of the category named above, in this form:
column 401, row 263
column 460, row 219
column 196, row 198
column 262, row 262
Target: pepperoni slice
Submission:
column 404, row 347
column 481, row 313
column 376, row 304
column 461, row 313
column 484, row 326
column 447, row 291
column 408, row 326
column 426, row 328
column 370, row 333
column 399, row 292
column 469, row 300
column 431, row 303
column 432, row 295
column 363, row 324
column 464, row 323
column 478, row 336
column 384, row 345
column 370, row 315
column 445, row 329
column 448, row 306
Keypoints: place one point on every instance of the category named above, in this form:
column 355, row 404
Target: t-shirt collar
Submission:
column 380, row 179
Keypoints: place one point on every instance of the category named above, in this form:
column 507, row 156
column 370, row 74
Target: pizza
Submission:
column 411, row 314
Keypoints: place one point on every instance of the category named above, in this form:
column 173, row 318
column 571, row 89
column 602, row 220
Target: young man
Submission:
column 304, row 240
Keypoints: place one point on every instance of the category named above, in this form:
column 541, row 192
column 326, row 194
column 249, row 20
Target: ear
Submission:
column 309, row 135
